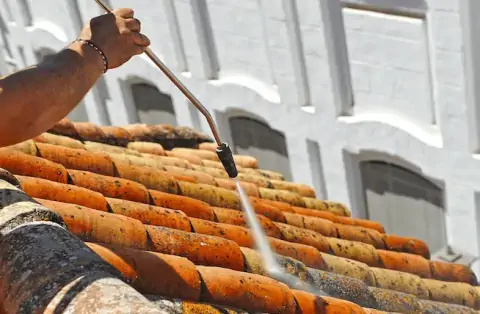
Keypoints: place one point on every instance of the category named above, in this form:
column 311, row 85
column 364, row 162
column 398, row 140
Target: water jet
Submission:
column 225, row 155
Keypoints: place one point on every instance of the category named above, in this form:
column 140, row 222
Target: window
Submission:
column 153, row 106
column 255, row 138
column 404, row 202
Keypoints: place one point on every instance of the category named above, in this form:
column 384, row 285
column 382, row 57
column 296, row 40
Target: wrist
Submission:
column 93, row 60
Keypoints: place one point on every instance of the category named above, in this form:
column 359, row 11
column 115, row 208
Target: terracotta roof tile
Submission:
column 147, row 147
column 342, row 287
column 455, row 292
column 27, row 165
column 249, row 291
column 400, row 281
column 67, row 193
column 409, row 263
column 77, row 159
column 235, row 217
column 200, row 249
column 163, row 204
column 393, row 301
column 117, row 136
column 49, row 138
column 150, row 215
column 95, row 226
column 173, row 276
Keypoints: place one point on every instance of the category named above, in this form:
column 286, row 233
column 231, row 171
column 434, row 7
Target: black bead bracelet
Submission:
column 97, row 49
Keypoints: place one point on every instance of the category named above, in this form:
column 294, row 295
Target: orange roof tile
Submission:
column 154, row 203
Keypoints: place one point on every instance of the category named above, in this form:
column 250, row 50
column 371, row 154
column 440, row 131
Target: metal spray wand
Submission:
column 223, row 149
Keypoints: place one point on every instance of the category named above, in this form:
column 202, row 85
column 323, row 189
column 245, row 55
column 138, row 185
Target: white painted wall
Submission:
column 382, row 79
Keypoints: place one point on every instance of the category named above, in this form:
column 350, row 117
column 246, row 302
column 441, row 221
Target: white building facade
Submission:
column 375, row 103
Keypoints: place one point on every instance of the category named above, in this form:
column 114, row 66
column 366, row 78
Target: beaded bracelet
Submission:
column 104, row 58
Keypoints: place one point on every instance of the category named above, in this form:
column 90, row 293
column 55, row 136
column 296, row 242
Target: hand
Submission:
column 118, row 35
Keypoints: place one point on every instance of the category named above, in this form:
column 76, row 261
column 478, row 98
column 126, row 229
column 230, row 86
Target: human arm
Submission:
column 34, row 99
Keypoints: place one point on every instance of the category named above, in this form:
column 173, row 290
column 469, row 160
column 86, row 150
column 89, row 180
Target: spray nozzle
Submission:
column 226, row 157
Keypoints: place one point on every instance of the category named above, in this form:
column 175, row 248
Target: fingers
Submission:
column 141, row 40
column 133, row 25
column 126, row 13
column 138, row 50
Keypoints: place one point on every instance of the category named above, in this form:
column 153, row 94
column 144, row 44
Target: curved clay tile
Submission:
column 392, row 301
column 400, row 281
column 262, row 208
column 304, row 236
column 67, row 193
column 90, row 132
column 212, row 195
column 117, row 136
column 240, row 235
column 358, row 251
column 235, row 217
column 259, row 181
column 147, row 147
column 214, row 172
column 246, row 161
column 151, row 178
column 293, row 199
column 150, row 215
column 309, row 303
column 106, row 148
column 201, row 177
column 407, row 245
column 22, row 164
column 334, row 306
column 154, row 273
column 284, row 207
column 49, row 138
column 195, row 160
column 452, row 292
column 77, row 159
column 375, row 225
column 444, row 308
column 28, row 147
column 169, row 161
column 203, row 154
column 190, row 206
column 410, row 263
column 453, row 272
column 249, row 188
column 65, row 127
column 248, row 291
column 342, row 287
column 332, row 207
column 208, row 146
column 350, row 268
column 111, row 186
column 198, row 248
column 322, row 226
column 360, row 234
column 308, row 255
column 139, row 132
column 271, row 174
column 95, row 226
column 255, row 264
column 301, row 189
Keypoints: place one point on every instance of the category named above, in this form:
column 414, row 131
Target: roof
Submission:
column 143, row 218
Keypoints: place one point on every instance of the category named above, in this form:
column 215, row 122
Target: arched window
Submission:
column 153, row 106
column 255, row 138
column 404, row 202
column 79, row 113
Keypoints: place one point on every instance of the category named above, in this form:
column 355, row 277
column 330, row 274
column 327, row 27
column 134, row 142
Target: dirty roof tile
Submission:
column 165, row 203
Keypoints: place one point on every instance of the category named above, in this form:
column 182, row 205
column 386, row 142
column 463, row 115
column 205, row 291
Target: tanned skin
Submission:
column 34, row 99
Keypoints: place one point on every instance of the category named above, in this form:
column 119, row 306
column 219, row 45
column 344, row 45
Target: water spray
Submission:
column 226, row 157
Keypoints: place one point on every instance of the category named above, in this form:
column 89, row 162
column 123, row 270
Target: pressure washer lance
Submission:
column 223, row 150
